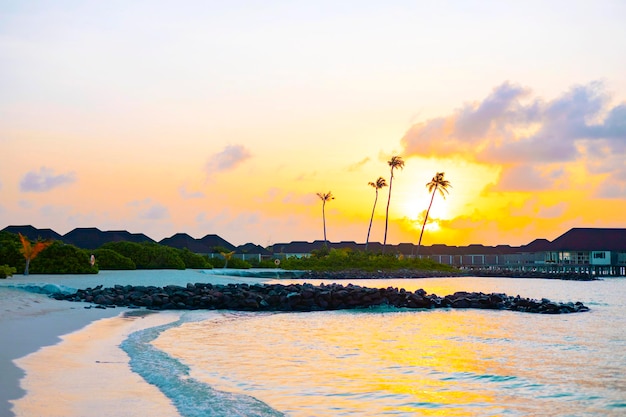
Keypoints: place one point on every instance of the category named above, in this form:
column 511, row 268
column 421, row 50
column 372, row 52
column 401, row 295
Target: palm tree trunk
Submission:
column 369, row 229
column 27, row 265
column 387, row 212
column 324, row 221
column 419, row 244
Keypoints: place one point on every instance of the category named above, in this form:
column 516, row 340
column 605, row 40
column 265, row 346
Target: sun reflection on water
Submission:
column 443, row 362
column 425, row 363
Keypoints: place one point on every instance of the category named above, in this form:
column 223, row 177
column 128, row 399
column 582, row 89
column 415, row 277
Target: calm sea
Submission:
column 392, row 362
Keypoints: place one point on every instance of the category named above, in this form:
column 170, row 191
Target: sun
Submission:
column 432, row 226
column 414, row 209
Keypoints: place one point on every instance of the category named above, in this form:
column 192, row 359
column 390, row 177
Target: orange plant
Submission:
column 31, row 251
column 227, row 256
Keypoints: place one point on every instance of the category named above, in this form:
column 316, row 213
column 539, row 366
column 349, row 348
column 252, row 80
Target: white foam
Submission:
column 87, row 374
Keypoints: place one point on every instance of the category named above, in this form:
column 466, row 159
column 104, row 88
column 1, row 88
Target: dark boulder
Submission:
column 303, row 297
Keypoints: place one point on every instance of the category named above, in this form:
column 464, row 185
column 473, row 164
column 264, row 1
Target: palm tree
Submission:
column 380, row 183
column 325, row 197
column 438, row 183
column 394, row 162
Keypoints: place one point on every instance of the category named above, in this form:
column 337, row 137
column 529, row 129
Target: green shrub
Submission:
column 342, row 259
column 148, row 255
column 108, row 259
column 234, row 263
column 60, row 258
column 193, row 260
column 264, row 263
column 10, row 251
column 7, row 271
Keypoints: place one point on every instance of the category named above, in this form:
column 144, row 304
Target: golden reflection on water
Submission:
column 429, row 363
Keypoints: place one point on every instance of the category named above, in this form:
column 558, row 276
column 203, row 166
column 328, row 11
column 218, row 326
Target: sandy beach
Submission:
column 57, row 341
column 28, row 322
column 89, row 361
column 49, row 339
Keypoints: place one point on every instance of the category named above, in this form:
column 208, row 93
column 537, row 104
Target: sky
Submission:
column 213, row 117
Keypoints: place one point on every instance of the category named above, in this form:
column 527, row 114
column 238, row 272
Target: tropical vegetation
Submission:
column 437, row 183
column 394, row 163
column 7, row 271
column 57, row 258
column 108, row 259
column 31, row 251
column 148, row 255
column 60, row 258
column 343, row 259
column 377, row 185
column 10, row 251
column 325, row 197
column 235, row 263
column 227, row 256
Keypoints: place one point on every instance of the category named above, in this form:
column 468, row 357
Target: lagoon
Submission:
column 371, row 362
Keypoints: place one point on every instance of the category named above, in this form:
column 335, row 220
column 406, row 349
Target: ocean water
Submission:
column 395, row 362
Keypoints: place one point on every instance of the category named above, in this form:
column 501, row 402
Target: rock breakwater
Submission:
column 302, row 297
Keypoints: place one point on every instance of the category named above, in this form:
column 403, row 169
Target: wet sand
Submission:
column 84, row 372
column 35, row 357
column 87, row 374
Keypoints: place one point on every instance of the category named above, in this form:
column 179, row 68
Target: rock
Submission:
column 461, row 303
column 302, row 297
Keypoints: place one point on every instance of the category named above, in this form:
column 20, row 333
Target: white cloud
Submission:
column 139, row 203
column 45, row 180
column 154, row 212
column 522, row 178
column 358, row 165
column 25, row 204
column 526, row 135
column 149, row 210
column 553, row 212
column 229, row 158
column 187, row 195
column 611, row 190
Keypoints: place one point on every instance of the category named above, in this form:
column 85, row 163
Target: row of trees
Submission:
column 20, row 255
column 343, row 260
column 437, row 184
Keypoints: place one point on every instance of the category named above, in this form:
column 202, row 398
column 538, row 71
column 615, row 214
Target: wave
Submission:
column 191, row 397
column 43, row 288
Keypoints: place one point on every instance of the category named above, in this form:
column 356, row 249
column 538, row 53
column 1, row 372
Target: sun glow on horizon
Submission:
column 237, row 140
column 468, row 180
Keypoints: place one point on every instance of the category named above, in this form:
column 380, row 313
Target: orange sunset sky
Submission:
column 201, row 117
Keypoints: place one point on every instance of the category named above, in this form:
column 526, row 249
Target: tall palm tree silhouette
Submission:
column 394, row 162
column 325, row 197
column 380, row 183
column 438, row 183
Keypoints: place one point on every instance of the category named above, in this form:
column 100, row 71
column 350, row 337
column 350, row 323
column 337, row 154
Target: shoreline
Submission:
column 60, row 379
column 29, row 323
